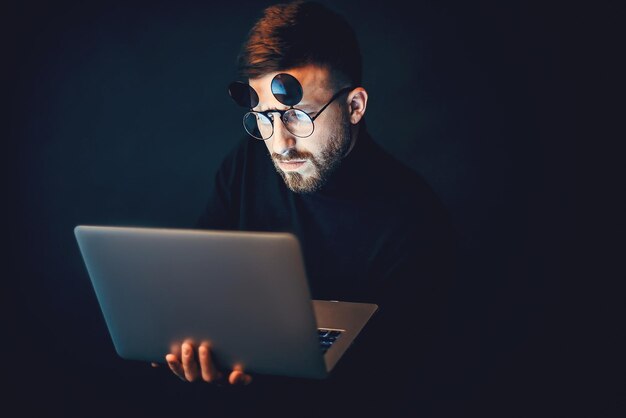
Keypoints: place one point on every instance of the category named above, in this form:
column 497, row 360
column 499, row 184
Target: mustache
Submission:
column 292, row 155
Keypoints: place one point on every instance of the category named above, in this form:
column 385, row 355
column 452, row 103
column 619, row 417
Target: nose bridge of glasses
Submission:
column 262, row 124
column 280, row 123
column 282, row 115
column 283, row 139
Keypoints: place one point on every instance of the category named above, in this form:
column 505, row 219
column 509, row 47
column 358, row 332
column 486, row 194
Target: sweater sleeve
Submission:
column 412, row 304
column 399, row 353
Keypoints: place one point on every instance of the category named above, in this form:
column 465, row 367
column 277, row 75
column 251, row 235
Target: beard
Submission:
column 325, row 163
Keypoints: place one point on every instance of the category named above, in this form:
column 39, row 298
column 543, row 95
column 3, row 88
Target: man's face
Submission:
column 306, row 163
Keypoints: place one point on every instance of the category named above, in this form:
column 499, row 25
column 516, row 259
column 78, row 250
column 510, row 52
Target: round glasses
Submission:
column 288, row 91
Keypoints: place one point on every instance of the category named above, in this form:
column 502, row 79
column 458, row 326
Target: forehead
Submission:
column 313, row 79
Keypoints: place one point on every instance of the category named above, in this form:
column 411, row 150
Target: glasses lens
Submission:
column 287, row 89
column 298, row 123
column 243, row 94
column 258, row 125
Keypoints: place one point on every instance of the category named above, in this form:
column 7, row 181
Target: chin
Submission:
column 299, row 184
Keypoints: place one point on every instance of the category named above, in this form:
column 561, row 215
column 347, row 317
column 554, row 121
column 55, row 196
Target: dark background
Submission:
column 118, row 114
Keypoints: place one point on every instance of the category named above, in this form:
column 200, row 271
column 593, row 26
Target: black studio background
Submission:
column 117, row 114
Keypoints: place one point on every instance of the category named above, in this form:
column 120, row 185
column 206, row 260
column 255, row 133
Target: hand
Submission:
column 190, row 365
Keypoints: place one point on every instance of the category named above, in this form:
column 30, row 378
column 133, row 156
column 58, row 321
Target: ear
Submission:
column 357, row 103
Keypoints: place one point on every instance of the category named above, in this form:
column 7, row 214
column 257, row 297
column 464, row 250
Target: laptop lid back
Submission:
column 246, row 293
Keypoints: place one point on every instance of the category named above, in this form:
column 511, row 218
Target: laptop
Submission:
column 244, row 292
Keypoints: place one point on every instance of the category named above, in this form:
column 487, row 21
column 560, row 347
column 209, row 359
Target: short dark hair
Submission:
column 290, row 35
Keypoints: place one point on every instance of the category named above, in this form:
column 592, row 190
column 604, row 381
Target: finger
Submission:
column 175, row 349
column 175, row 366
column 207, row 365
column 190, row 366
column 153, row 364
column 238, row 377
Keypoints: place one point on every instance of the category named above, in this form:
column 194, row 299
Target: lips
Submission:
column 291, row 164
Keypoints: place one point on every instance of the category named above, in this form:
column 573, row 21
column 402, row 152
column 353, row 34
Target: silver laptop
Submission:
column 244, row 292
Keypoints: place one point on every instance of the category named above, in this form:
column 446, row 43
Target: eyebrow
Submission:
column 307, row 107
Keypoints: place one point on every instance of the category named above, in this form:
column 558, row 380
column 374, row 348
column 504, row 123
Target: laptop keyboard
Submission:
column 327, row 337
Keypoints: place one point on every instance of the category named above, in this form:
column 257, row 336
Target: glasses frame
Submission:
column 268, row 114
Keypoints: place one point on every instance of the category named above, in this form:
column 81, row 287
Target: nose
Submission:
column 282, row 139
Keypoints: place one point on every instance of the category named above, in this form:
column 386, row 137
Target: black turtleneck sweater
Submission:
column 371, row 215
column 375, row 232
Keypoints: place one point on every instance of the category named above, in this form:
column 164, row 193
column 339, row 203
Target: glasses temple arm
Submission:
column 332, row 99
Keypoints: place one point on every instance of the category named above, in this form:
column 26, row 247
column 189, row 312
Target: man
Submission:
column 370, row 229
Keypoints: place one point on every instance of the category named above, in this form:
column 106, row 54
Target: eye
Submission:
column 262, row 119
column 298, row 116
